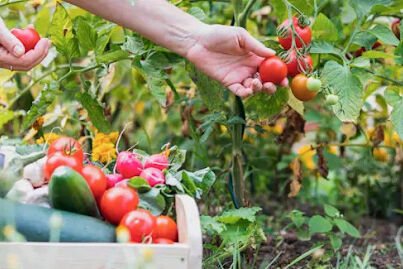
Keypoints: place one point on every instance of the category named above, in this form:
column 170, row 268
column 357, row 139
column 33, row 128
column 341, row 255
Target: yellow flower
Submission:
column 380, row 155
column 49, row 138
column 392, row 139
column 306, row 154
column 139, row 107
column 333, row 150
column 104, row 153
column 101, row 138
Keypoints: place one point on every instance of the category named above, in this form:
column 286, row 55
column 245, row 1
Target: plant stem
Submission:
column 350, row 41
column 244, row 14
column 12, row 2
column 400, row 83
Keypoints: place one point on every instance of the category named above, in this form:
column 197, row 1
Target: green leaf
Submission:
column 153, row 201
column 95, row 112
column 346, row 227
column 198, row 13
column 5, row 117
column 139, row 183
column 41, row 103
column 258, row 104
column 335, row 241
column 171, row 180
column 61, row 33
column 392, row 95
column 360, row 62
column 319, row 224
column 295, row 104
column 365, row 39
column 324, row 47
column 86, row 34
column 202, row 180
column 347, row 87
column 235, row 215
column 176, row 158
column 112, row 56
column 157, row 89
column 101, row 43
column 331, row 211
column 373, row 54
column 384, row 34
column 324, row 29
column 280, row 10
column 211, row 226
column 297, row 217
column 363, row 7
column 42, row 21
column 397, row 118
column 134, row 45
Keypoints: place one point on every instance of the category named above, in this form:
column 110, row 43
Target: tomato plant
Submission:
column 297, row 65
column 286, row 32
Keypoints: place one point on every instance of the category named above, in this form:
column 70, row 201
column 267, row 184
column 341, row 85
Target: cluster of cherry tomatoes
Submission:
column 118, row 202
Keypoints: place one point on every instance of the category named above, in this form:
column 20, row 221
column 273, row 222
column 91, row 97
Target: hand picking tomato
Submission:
column 163, row 241
column 166, row 228
column 159, row 161
column 67, row 145
column 59, row 159
column 304, row 32
column 295, row 67
column 153, row 175
column 273, row 69
column 396, row 27
column 141, row 224
column 28, row 37
column 300, row 90
column 118, row 201
column 95, row 178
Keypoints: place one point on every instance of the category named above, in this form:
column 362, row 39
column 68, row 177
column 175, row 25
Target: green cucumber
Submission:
column 69, row 191
column 34, row 223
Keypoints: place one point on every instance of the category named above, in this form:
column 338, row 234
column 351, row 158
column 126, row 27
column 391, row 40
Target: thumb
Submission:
column 10, row 42
column 253, row 45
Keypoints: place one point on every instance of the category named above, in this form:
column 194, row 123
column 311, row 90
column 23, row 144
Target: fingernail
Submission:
column 272, row 51
column 18, row 50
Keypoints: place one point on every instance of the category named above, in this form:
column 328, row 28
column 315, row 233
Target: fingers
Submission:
column 284, row 82
column 253, row 45
column 253, row 83
column 239, row 90
column 269, row 88
column 10, row 42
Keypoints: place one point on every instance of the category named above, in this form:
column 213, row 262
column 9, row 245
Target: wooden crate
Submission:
column 185, row 254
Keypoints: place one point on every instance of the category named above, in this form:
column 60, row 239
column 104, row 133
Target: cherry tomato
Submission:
column 58, row 159
column 95, row 178
column 303, row 32
column 118, row 201
column 159, row 161
column 273, row 69
column 165, row 228
column 332, row 99
column 313, row 84
column 396, row 27
column 141, row 224
column 294, row 66
column 163, row 241
column 67, row 145
column 300, row 90
column 153, row 175
column 28, row 37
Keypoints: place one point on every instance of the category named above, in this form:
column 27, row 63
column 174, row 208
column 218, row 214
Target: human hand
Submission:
column 12, row 51
column 231, row 56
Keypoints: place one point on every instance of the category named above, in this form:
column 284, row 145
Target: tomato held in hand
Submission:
column 68, row 146
column 273, row 69
column 304, row 32
column 300, row 90
column 118, row 201
column 303, row 65
column 163, row 241
column 141, row 224
column 59, row 159
column 159, row 161
column 166, row 228
column 95, row 178
column 28, row 37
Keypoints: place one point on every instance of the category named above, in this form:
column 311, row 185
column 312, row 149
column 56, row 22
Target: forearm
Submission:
column 157, row 20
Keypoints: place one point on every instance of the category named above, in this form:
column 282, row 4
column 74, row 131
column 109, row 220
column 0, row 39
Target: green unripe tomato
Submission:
column 332, row 99
column 313, row 84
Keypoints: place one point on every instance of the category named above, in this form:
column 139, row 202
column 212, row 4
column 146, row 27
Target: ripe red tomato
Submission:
column 28, row 37
column 166, row 228
column 300, row 90
column 396, row 27
column 293, row 66
column 59, row 159
column 95, row 178
column 118, row 201
column 68, row 146
column 163, row 241
column 303, row 32
column 159, row 161
column 273, row 69
column 141, row 224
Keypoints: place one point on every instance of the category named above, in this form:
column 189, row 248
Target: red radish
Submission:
column 122, row 183
column 153, row 175
column 113, row 179
column 159, row 161
column 128, row 165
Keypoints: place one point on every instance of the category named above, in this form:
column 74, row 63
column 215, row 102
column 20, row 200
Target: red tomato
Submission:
column 153, row 176
column 303, row 32
column 166, row 228
column 300, row 90
column 359, row 52
column 28, row 37
column 396, row 27
column 67, row 145
column 118, row 201
column 141, row 224
column 293, row 66
column 163, row 241
column 95, row 178
column 159, row 161
column 58, row 159
column 273, row 69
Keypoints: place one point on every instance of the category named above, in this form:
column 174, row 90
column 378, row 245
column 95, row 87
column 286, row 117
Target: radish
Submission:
column 153, row 175
column 128, row 165
column 159, row 161
column 113, row 179
column 122, row 183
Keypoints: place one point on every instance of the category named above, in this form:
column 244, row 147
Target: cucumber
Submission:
column 69, row 191
column 34, row 223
